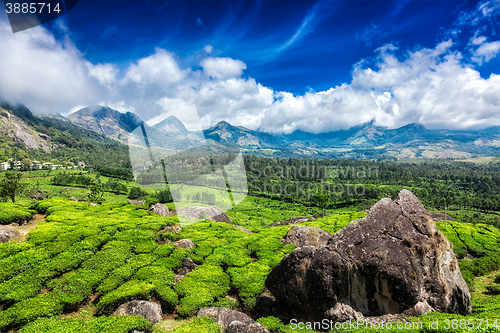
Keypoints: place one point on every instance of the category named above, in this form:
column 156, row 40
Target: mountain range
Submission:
column 359, row 142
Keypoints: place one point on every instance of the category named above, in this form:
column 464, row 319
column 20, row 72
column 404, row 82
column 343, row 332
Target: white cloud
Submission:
column 45, row 74
column 208, row 49
column 158, row 68
column 486, row 52
column 433, row 86
column 223, row 68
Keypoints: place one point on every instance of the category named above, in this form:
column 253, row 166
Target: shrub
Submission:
column 136, row 193
column 128, row 291
column 201, row 288
column 13, row 213
column 249, row 281
column 273, row 324
column 199, row 325
column 493, row 289
column 113, row 324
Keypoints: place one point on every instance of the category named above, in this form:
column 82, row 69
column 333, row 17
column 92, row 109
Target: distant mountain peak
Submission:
column 172, row 125
column 106, row 121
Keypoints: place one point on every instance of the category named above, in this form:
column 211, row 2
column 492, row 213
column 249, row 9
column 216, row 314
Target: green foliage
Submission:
column 480, row 266
column 95, row 193
column 11, row 186
column 273, row 324
column 136, row 193
column 201, row 287
column 164, row 196
column 14, row 213
column 493, row 289
column 128, row 291
column 114, row 185
column 199, row 325
column 114, row 324
column 250, row 281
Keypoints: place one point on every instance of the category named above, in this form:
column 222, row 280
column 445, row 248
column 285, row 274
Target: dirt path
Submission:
column 24, row 229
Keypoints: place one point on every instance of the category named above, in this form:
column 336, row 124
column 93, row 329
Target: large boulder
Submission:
column 246, row 327
column 208, row 213
column 6, row 234
column 301, row 235
column 149, row 310
column 223, row 316
column 394, row 262
column 184, row 244
column 232, row 321
column 159, row 209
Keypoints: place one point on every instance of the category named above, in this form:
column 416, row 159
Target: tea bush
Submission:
column 199, row 325
column 200, row 288
column 113, row 324
column 14, row 213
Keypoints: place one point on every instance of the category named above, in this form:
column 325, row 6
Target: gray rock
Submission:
column 394, row 261
column 208, row 213
column 177, row 278
column 187, row 266
column 94, row 204
column 37, row 196
column 149, row 310
column 137, row 202
column 171, row 228
column 223, row 316
column 184, row 244
column 243, row 229
column 6, row 234
column 159, row 209
column 293, row 220
column 73, row 199
column 246, row 327
column 301, row 235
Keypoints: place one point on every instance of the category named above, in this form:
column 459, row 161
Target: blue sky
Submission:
column 278, row 65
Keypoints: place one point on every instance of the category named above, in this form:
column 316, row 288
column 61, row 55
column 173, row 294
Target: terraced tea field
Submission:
column 77, row 267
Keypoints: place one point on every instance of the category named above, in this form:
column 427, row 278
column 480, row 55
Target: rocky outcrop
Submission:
column 394, row 262
column 6, row 234
column 204, row 213
column 159, row 209
column 300, row 235
column 73, row 199
column 232, row 321
column 184, row 244
column 149, row 310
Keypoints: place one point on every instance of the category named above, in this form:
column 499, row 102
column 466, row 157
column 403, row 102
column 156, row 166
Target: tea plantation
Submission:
column 75, row 268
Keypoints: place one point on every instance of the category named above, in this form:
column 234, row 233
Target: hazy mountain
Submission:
column 46, row 137
column 362, row 141
column 106, row 121
column 171, row 125
column 243, row 137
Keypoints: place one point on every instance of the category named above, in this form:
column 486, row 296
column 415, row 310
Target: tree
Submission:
column 11, row 185
column 136, row 193
column 95, row 193
column 321, row 197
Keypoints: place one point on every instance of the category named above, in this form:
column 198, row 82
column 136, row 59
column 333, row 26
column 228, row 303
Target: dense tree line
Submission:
column 436, row 182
